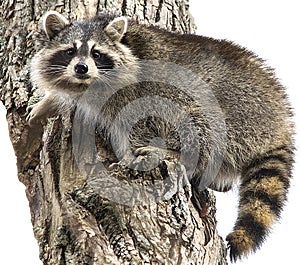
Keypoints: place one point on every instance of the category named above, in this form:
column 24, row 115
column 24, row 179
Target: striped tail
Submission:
column 263, row 192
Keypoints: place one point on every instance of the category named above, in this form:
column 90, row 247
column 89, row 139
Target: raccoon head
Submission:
column 77, row 54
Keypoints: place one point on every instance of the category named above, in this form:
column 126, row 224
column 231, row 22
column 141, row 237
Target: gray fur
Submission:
column 215, row 103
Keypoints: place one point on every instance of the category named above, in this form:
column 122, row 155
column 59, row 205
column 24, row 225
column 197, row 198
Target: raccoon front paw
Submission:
column 35, row 115
column 32, row 116
column 141, row 159
column 239, row 244
column 148, row 157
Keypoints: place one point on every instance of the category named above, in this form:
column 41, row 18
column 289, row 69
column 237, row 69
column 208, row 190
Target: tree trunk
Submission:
column 73, row 221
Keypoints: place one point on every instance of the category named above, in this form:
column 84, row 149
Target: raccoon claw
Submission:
column 142, row 159
column 32, row 116
column 148, row 157
column 149, row 150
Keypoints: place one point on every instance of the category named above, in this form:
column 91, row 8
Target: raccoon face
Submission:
column 78, row 63
column 78, row 54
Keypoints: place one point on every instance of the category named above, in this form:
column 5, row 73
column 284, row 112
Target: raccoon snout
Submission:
column 81, row 68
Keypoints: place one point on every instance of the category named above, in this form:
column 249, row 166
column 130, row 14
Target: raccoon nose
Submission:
column 81, row 68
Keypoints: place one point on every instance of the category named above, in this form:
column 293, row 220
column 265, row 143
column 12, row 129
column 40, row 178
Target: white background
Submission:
column 270, row 29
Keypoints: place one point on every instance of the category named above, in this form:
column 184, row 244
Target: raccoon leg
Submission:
column 40, row 111
column 263, row 192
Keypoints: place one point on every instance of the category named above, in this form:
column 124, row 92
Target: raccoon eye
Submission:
column 96, row 54
column 71, row 51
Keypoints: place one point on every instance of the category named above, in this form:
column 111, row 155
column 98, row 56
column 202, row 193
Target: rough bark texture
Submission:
column 72, row 222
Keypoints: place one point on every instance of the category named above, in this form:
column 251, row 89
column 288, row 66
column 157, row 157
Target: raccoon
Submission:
column 109, row 51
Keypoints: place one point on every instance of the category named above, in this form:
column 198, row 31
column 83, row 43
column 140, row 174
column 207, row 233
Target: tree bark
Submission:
column 72, row 221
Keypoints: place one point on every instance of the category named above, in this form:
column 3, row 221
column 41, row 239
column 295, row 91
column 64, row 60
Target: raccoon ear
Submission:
column 53, row 23
column 117, row 28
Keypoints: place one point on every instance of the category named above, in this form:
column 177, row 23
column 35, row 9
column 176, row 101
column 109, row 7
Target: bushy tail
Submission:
column 263, row 192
